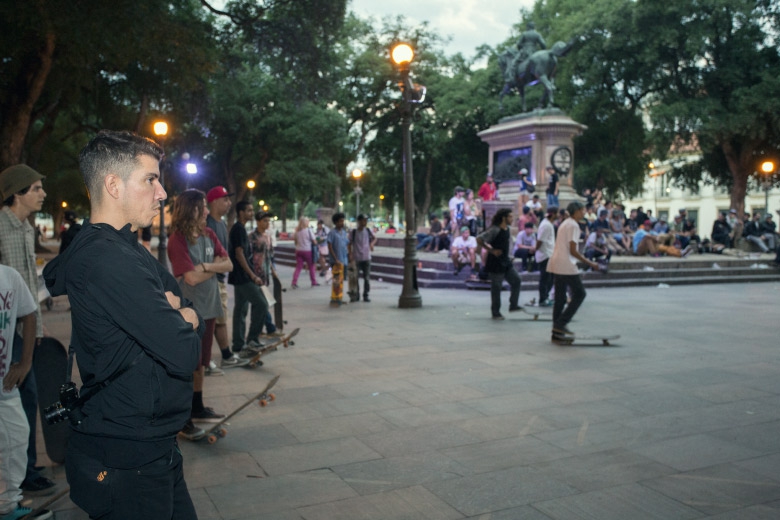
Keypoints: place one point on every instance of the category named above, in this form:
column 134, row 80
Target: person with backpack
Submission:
column 361, row 243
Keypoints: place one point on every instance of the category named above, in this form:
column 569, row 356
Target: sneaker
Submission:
column 192, row 432
column 498, row 317
column 546, row 303
column 516, row 308
column 213, row 370
column 206, row 415
column 685, row 252
column 275, row 334
column 366, row 299
column 21, row 512
column 254, row 345
column 234, row 361
column 561, row 331
column 247, row 353
column 37, row 486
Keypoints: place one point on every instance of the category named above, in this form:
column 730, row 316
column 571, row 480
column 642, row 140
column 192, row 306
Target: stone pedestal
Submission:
column 529, row 141
column 326, row 216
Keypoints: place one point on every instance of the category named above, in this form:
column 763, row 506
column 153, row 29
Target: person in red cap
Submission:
column 219, row 203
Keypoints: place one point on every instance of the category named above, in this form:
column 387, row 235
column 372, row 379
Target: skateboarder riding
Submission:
column 563, row 264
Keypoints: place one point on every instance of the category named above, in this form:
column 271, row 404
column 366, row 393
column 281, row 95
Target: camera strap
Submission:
column 90, row 389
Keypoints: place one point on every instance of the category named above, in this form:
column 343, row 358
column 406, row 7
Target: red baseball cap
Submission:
column 217, row 192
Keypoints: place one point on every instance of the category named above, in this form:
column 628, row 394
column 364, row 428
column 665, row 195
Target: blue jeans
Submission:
column 552, row 201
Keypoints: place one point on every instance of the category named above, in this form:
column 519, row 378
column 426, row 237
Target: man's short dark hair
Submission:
column 113, row 152
column 500, row 215
column 241, row 205
column 337, row 217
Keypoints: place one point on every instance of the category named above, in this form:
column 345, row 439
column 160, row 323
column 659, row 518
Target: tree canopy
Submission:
column 292, row 93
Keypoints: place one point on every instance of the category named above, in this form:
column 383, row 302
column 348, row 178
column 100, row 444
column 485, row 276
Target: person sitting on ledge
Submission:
column 464, row 251
column 525, row 245
column 645, row 243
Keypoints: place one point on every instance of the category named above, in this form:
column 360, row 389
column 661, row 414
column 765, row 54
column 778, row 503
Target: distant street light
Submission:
column 767, row 168
column 250, row 184
column 161, row 131
column 357, row 173
column 402, row 55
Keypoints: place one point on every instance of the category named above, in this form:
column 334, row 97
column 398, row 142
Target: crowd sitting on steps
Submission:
column 607, row 230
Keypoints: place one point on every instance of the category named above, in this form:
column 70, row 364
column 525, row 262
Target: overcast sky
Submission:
column 470, row 23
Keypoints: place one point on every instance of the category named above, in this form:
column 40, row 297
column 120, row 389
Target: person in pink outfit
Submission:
column 304, row 240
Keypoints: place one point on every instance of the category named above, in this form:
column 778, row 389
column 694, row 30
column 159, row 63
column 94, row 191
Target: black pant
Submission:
column 364, row 266
column 545, row 281
column 154, row 490
column 561, row 316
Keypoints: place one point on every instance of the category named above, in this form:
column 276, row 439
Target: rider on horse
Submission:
column 530, row 41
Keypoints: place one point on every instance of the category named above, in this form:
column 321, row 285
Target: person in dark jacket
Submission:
column 131, row 328
column 69, row 234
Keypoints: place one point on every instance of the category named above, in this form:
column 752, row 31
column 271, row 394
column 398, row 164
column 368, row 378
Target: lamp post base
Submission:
column 410, row 297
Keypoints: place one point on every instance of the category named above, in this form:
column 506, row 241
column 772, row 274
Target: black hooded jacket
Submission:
column 121, row 317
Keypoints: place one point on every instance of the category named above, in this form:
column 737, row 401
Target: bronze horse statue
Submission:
column 540, row 67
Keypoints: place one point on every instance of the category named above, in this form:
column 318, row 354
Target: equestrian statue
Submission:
column 532, row 63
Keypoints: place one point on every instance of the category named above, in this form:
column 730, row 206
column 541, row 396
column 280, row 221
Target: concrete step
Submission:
column 436, row 270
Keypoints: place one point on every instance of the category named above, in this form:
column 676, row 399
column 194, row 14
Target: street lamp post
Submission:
column 357, row 174
column 767, row 168
column 161, row 131
column 402, row 55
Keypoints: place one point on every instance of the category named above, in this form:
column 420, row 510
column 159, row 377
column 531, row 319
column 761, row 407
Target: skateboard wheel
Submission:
column 212, row 438
column 263, row 403
column 271, row 398
column 222, row 432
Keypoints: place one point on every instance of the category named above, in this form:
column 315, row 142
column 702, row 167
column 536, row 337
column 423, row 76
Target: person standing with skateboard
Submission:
column 497, row 239
column 22, row 195
column 563, row 264
column 361, row 243
column 262, row 264
column 246, row 285
column 133, row 329
column 338, row 242
column 219, row 203
column 196, row 257
column 18, row 303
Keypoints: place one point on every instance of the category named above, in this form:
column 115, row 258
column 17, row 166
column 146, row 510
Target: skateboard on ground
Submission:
column 274, row 346
column 278, row 306
column 585, row 340
column 337, row 287
column 218, row 430
column 537, row 316
column 352, row 275
column 50, row 362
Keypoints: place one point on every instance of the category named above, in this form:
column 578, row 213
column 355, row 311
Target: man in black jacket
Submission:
column 132, row 328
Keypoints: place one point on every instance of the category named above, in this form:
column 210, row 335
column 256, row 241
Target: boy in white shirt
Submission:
column 17, row 303
column 567, row 276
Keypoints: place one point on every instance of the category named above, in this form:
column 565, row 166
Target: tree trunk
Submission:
column 740, row 160
column 30, row 84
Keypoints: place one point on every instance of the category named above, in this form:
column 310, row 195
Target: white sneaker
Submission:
column 214, row 370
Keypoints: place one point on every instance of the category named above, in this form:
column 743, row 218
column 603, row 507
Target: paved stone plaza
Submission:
column 443, row 413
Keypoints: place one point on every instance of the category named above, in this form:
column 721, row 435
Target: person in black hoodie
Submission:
column 130, row 328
